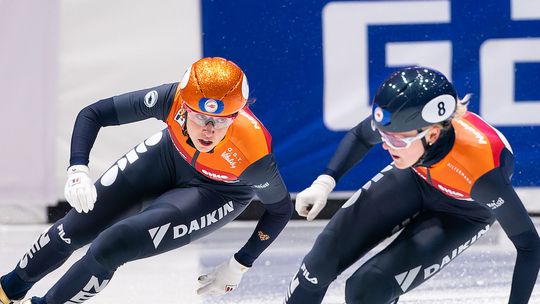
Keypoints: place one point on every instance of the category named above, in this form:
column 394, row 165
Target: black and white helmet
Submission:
column 413, row 98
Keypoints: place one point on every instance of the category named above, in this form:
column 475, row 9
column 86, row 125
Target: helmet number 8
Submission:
column 441, row 108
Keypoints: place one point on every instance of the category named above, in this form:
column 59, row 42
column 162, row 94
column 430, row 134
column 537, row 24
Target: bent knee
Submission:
column 370, row 285
column 321, row 264
column 115, row 246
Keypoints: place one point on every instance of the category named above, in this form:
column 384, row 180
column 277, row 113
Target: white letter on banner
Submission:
column 525, row 9
column 434, row 54
column 345, row 51
column 497, row 59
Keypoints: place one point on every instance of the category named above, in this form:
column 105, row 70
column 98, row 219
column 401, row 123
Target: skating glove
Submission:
column 80, row 191
column 313, row 199
column 223, row 279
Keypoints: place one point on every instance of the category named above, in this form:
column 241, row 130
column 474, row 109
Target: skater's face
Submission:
column 206, row 131
column 405, row 157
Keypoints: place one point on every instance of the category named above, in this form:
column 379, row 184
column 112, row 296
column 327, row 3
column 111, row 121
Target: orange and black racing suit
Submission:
column 441, row 206
column 163, row 194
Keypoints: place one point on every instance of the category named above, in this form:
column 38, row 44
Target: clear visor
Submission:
column 398, row 143
column 219, row 122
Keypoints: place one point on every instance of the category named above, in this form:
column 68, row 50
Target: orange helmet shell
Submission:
column 215, row 86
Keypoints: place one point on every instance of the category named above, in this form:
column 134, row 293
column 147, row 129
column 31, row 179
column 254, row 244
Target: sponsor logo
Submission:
column 62, row 234
column 431, row 270
column 43, row 240
column 204, row 221
column 179, row 118
column 91, row 289
column 253, row 121
column 210, row 106
column 459, row 172
column 292, row 287
column 479, row 136
column 306, row 274
column 231, row 157
column 261, row 186
column 366, row 187
column 158, row 233
column 229, row 288
column 214, row 175
column 263, row 236
column 450, row 192
column 132, row 156
column 406, row 278
column 150, row 98
column 496, row 204
column 378, row 114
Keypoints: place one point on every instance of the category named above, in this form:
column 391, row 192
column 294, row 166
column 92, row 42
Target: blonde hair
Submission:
column 461, row 109
column 462, row 105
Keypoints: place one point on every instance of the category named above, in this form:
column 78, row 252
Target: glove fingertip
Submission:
column 204, row 279
column 203, row 290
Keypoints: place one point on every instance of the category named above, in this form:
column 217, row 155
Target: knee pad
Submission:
column 369, row 285
column 115, row 246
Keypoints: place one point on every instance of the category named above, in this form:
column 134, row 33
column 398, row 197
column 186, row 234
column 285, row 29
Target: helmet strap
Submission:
column 438, row 150
column 427, row 147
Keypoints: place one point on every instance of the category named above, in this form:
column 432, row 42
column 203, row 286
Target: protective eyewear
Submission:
column 399, row 143
column 219, row 122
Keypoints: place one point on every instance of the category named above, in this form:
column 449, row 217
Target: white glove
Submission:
column 313, row 199
column 80, row 191
column 223, row 279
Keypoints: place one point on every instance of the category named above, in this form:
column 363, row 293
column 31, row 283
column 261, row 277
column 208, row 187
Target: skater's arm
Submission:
column 495, row 190
column 352, row 148
column 130, row 107
column 267, row 183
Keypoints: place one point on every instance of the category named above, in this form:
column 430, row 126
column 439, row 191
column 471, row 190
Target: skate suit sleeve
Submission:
column 352, row 148
column 267, row 183
column 495, row 190
column 154, row 102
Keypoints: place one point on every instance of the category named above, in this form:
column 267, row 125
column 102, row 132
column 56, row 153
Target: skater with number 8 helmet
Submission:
column 194, row 176
column 448, row 182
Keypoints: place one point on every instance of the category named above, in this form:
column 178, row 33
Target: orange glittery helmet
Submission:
column 214, row 86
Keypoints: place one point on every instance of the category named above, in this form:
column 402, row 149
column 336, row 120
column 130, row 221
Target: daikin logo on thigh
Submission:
column 406, row 278
column 431, row 270
column 157, row 233
column 203, row 221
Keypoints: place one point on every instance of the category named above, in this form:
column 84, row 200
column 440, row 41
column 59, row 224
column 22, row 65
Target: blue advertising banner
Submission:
column 313, row 67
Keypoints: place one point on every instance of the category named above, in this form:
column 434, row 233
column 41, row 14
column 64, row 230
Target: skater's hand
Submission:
column 80, row 191
column 313, row 199
column 223, row 279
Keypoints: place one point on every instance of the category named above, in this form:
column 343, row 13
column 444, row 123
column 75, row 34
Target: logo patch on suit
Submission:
column 263, row 236
column 151, row 98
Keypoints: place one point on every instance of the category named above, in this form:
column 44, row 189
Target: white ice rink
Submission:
column 482, row 274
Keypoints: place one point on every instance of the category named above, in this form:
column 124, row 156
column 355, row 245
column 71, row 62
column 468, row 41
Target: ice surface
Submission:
column 482, row 274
